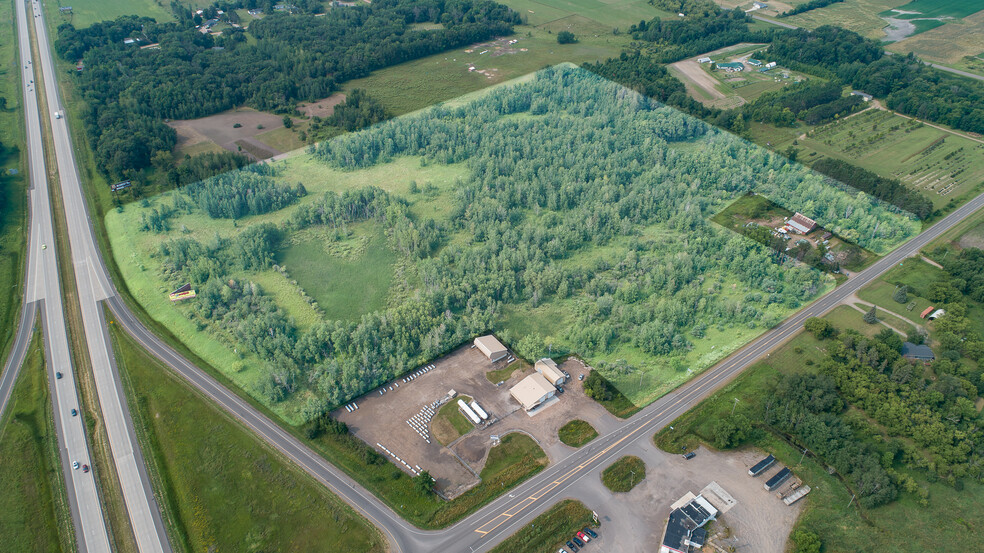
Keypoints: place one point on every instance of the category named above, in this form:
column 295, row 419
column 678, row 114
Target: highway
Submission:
column 483, row 529
column 42, row 288
column 92, row 287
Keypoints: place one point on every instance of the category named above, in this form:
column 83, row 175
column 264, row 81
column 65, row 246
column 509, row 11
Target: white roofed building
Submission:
column 491, row 347
column 549, row 369
column 532, row 391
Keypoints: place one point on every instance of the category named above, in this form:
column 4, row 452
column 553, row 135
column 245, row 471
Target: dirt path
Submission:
column 696, row 75
column 853, row 300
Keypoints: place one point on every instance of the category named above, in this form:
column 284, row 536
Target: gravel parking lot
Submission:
column 381, row 420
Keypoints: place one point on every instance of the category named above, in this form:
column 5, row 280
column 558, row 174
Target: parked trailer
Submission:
column 762, row 466
column 797, row 495
column 478, row 410
column 778, row 479
column 468, row 412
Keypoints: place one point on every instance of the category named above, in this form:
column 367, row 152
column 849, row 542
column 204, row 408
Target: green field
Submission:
column 860, row 16
column 956, row 9
column 550, row 530
column 449, row 424
column 577, row 433
column 904, row 526
column 947, row 167
column 349, row 278
column 33, row 508
column 613, row 13
column 87, row 12
column 13, row 200
column 624, row 474
column 504, row 373
column 222, row 489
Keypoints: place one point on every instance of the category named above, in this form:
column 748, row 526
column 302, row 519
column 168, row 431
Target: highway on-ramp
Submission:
column 92, row 287
column 495, row 521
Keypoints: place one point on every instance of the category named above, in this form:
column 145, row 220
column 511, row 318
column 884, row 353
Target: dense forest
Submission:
column 557, row 166
column 130, row 91
column 675, row 39
column 813, row 101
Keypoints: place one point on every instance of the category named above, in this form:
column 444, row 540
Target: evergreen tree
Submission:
column 901, row 294
column 870, row 317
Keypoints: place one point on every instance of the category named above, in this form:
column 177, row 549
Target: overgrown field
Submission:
column 860, row 16
column 33, row 508
column 957, row 43
column 613, row 13
column 224, row 491
column 87, row 12
column 946, row 167
column 564, row 196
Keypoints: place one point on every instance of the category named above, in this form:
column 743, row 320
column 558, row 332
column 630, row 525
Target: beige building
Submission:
column 491, row 347
column 549, row 369
column 532, row 391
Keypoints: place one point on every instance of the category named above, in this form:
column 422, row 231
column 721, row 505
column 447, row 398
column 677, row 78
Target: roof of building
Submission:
column 698, row 537
column 685, row 521
column 531, row 390
column 861, row 94
column 489, row 343
column 917, row 351
column 731, row 65
column 802, row 223
column 753, row 61
column 549, row 368
column 926, row 311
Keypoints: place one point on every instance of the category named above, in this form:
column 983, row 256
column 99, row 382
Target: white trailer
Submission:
column 468, row 412
column 478, row 410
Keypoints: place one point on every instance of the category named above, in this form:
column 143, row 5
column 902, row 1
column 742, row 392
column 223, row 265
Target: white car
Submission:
column 75, row 465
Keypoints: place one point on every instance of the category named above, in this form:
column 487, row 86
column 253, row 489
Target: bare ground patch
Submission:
column 221, row 129
column 323, row 107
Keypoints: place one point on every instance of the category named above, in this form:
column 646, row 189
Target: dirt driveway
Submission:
column 695, row 75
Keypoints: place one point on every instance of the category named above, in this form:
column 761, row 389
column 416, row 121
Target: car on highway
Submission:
column 590, row 532
column 577, row 541
column 75, row 465
column 584, row 537
column 74, row 412
column 85, row 468
column 58, row 376
column 571, row 546
column 44, row 246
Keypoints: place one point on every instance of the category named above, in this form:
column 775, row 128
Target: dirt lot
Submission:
column 323, row 107
column 381, row 420
column 220, row 129
column 633, row 522
column 696, row 75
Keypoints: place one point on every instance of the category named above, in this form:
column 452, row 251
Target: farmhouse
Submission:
column 491, row 347
column 801, row 223
column 732, row 66
column 532, row 391
column 684, row 527
column 917, row 352
column 549, row 369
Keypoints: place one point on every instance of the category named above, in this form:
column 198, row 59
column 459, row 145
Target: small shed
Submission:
column 926, row 312
column 865, row 97
column 917, row 352
column 549, row 369
column 491, row 347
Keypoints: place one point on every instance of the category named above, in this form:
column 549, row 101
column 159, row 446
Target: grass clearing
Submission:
column 223, row 490
column 612, row 13
column 577, row 433
column 550, row 530
column 624, row 474
column 503, row 374
column 283, row 139
column 860, row 16
column 958, row 43
column 348, row 278
column 87, row 12
column 449, row 424
column 33, row 508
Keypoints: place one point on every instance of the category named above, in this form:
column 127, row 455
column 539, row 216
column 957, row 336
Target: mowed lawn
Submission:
column 222, row 488
column 33, row 509
column 87, row 12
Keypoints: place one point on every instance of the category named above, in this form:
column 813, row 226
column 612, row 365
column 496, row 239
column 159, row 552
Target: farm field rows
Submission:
column 340, row 270
column 944, row 166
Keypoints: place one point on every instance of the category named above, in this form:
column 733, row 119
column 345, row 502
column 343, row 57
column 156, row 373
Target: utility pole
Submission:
column 851, row 501
column 734, row 406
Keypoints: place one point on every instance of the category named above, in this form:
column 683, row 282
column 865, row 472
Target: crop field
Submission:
column 393, row 256
column 612, row 13
column 945, row 166
column 956, row 9
column 958, row 43
column 860, row 16
column 87, row 12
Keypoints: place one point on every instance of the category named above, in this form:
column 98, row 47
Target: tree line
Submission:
column 129, row 91
column 808, row 6
column 889, row 190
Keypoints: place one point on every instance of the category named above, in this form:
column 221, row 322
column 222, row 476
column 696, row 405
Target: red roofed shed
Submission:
column 926, row 312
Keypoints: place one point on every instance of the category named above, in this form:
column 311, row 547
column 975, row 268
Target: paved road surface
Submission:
column 92, row 287
column 503, row 516
column 43, row 287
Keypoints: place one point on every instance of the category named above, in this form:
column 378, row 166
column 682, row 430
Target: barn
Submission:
column 491, row 347
column 801, row 223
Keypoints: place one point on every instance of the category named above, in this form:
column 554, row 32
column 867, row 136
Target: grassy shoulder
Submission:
column 449, row 424
column 550, row 530
column 624, row 474
column 577, row 433
column 221, row 489
column 33, row 508
column 13, row 199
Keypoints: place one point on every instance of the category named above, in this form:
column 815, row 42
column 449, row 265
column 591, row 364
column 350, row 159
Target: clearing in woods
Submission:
column 87, row 12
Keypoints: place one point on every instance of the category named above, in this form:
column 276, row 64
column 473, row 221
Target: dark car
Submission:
column 591, row 533
column 577, row 541
column 85, row 468
column 689, row 455
column 74, row 412
column 560, row 389
column 571, row 546
column 58, row 376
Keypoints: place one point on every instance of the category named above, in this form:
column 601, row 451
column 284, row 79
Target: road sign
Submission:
column 120, row 186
